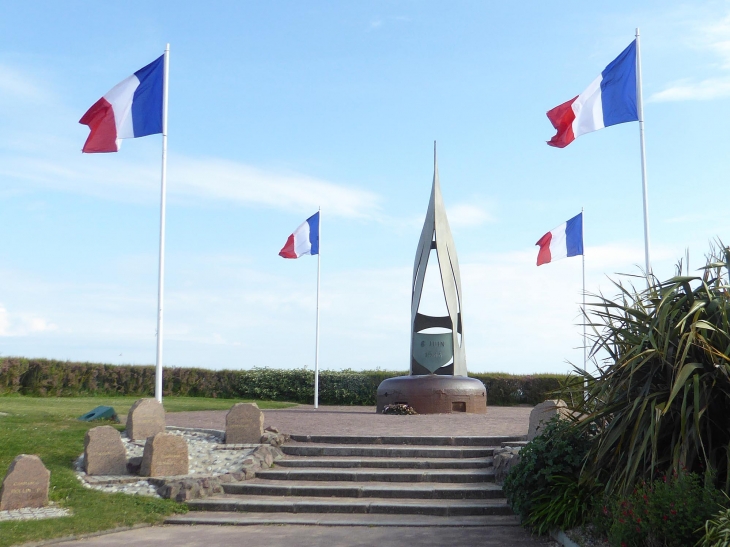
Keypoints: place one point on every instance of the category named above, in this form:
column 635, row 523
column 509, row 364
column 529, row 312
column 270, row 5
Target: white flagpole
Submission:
column 316, row 331
column 161, row 276
column 645, row 190
column 583, row 241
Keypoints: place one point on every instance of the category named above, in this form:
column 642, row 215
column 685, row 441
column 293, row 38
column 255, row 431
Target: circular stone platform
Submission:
column 434, row 394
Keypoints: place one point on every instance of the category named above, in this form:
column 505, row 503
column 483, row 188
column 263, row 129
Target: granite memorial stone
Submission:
column 146, row 418
column 25, row 485
column 542, row 414
column 244, row 424
column 164, row 455
column 104, row 453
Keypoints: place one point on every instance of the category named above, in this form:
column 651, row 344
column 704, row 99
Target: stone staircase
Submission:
column 369, row 481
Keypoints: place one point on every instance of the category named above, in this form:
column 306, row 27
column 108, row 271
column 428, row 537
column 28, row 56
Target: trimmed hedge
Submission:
column 47, row 377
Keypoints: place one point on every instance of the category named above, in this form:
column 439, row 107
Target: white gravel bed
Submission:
column 34, row 513
column 207, row 456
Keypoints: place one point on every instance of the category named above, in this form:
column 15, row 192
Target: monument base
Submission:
column 434, row 394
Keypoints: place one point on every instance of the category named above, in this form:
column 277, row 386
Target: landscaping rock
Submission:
column 542, row 413
column 134, row 464
column 146, row 418
column 25, row 484
column 244, row 424
column 504, row 460
column 273, row 438
column 164, row 455
column 104, row 452
column 190, row 488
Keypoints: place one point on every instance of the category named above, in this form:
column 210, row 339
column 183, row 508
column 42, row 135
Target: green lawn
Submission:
column 48, row 427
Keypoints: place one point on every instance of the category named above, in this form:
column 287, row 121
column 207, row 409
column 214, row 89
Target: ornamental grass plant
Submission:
column 717, row 529
column 660, row 399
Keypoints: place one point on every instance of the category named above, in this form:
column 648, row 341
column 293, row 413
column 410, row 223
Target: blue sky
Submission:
column 278, row 108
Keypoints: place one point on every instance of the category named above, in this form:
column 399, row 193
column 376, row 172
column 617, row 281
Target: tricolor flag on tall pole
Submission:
column 562, row 242
column 614, row 97
column 137, row 107
column 306, row 241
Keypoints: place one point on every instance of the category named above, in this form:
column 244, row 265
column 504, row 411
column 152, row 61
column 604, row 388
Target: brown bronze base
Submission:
column 434, row 394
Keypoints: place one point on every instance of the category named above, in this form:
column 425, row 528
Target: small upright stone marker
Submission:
column 25, row 485
column 244, row 424
column 542, row 414
column 104, row 453
column 145, row 419
column 164, row 455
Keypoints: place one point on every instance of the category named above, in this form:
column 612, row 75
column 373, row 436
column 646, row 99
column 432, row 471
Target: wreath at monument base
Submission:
column 399, row 409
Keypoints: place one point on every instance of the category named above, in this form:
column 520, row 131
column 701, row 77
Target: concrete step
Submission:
column 389, row 463
column 410, row 440
column 338, row 519
column 385, row 451
column 274, row 504
column 259, row 487
column 378, row 475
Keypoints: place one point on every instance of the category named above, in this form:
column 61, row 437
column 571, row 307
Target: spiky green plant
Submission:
column 717, row 530
column 661, row 397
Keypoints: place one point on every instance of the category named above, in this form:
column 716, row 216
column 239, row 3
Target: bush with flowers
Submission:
column 670, row 511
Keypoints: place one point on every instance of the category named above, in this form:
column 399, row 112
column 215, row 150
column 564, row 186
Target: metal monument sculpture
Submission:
column 438, row 381
column 431, row 352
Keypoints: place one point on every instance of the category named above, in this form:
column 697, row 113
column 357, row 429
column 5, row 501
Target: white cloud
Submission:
column 22, row 324
column 4, row 322
column 15, row 84
column 201, row 178
column 705, row 90
column 214, row 178
column 468, row 215
column 712, row 40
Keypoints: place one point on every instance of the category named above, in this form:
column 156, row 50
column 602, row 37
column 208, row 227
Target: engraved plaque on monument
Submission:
column 432, row 351
column 164, row 455
column 244, row 424
column 104, row 452
column 25, row 485
column 438, row 381
column 145, row 419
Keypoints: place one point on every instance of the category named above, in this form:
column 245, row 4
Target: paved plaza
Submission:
column 363, row 420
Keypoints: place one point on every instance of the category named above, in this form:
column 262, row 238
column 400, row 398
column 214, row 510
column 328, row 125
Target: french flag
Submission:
column 304, row 240
column 609, row 100
column 561, row 242
column 133, row 108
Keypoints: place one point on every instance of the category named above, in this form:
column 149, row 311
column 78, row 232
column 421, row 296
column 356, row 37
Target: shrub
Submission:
column 662, row 398
column 47, row 377
column 544, row 487
column 669, row 511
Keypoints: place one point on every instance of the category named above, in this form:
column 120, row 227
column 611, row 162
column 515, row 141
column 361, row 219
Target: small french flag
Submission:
column 304, row 240
column 609, row 100
column 131, row 109
column 561, row 242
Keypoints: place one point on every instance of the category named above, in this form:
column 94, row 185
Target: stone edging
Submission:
column 560, row 537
